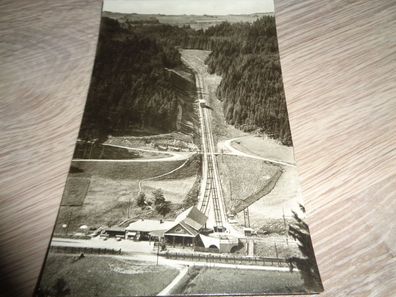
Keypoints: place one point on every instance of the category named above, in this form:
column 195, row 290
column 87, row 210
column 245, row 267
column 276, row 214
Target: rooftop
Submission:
column 150, row 225
column 192, row 217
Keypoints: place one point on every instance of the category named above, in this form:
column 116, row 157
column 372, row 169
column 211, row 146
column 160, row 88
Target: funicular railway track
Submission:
column 211, row 201
column 215, row 191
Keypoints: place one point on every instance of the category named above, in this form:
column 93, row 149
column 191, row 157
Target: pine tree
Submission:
column 307, row 265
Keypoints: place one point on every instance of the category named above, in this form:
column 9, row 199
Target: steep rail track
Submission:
column 211, row 199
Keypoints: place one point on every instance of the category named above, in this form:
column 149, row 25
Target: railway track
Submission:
column 211, row 199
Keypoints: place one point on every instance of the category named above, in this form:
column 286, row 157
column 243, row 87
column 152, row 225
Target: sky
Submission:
column 198, row 7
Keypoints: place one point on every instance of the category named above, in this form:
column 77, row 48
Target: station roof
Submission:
column 114, row 229
column 178, row 231
column 192, row 217
column 192, row 220
column 150, row 225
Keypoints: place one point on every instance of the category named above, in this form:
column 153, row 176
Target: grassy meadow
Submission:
column 102, row 277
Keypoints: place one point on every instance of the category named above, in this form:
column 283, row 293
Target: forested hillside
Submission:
column 247, row 58
column 131, row 89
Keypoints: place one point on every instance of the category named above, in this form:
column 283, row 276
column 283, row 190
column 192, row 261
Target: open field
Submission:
column 243, row 177
column 104, row 276
column 174, row 190
column 126, row 170
column 195, row 21
column 191, row 167
column 275, row 226
column 109, row 202
column 222, row 281
column 104, row 152
column 104, row 195
column 175, row 139
column 75, row 190
column 264, row 147
column 276, row 246
column 283, row 198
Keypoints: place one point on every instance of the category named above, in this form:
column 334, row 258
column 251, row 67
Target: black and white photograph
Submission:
column 183, row 179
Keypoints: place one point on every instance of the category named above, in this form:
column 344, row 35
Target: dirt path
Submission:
column 170, row 156
column 227, row 145
column 168, row 290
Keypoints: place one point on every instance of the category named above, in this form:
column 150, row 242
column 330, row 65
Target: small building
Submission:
column 182, row 231
column 114, row 231
column 143, row 229
column 181, row 234
column 248, row 231
column 186, row 228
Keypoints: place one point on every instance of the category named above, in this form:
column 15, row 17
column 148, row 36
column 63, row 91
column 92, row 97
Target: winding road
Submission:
column 168, row 155
column 233, row 151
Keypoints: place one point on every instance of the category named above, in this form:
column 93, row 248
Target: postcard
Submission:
column 183, row 179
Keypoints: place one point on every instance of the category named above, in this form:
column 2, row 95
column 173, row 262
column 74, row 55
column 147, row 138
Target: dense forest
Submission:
column 135, row 90
column 131, row 89
column 247, row 57
column 252, row 89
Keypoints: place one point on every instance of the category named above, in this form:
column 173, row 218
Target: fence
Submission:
column 84, row 250
column 206, row 250
column 72, row 236
column 228, row 259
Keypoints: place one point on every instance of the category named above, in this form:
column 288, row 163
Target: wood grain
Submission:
column 339, row 61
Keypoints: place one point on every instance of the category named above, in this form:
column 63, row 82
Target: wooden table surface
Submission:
column 339, row 67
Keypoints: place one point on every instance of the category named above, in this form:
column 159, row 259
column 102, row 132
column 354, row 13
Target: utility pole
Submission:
column 286, row 228
column 129, row 206
column 230, row 191
column 158, row 249
column 129, row 193
column 246, row 217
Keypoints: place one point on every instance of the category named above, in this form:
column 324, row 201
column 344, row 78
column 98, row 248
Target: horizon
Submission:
column 186, row 14
column 195, row 7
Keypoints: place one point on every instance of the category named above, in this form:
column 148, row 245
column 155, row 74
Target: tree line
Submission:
column 131, row 88
column 135, row 90
column 246, row 56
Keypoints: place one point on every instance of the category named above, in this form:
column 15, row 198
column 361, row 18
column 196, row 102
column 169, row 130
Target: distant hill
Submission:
column 194, row 21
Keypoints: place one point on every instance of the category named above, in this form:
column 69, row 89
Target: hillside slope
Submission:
column 132, row 90
column 246, row 55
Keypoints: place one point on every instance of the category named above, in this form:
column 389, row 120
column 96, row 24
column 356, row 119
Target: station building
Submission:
column 187, row 226
column 182, row 231
column 188, row 229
